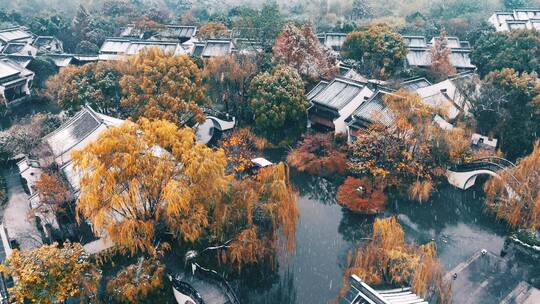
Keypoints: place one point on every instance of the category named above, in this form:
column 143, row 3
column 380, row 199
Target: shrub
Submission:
column 318, row 154
column 361, row 195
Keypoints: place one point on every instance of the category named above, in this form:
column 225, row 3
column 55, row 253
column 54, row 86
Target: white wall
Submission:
column 339, row 123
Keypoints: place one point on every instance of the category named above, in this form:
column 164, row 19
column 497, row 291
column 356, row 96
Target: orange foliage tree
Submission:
column 147, row 182
column 300, row 48
column 389, row 259
column 141, row 282
column 318, row 154
column 361, row 195
column 212, row 30
column 441, row 66
column 51, row 274
column 228, row 80
column 144, row 181
column 157, row 85
column 240, row 147
column 253, row 211
column 404, row 153
column 53, row 192
column 515, row 196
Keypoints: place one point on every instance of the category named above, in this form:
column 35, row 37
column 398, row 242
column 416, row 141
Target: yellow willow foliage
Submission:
column 253, row 213
column 279, row 200
column 142, row 180
column 388, row 234
column 247, row 248
column 158, row 85
column 515, row 197
column 420, row 190
column 388, row 259
column 50, row 274
column 138, row 282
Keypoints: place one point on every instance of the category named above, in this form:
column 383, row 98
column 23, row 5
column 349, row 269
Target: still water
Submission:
column 313, row 273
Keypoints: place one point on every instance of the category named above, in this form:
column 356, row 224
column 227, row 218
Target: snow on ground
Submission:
column 19, row 226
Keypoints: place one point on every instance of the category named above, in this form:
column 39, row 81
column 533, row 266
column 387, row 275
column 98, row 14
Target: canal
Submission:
column 456, row 220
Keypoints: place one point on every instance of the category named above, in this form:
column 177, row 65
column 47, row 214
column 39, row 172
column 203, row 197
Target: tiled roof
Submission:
column 419, row 51
column 214, row 48
column 77, row 132
column 112, row 48
column 10, row 69
column 14, row 34
column 374, row 110
column 337, row 94
column 165, row 32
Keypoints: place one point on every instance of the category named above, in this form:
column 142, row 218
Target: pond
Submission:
column 313, row 273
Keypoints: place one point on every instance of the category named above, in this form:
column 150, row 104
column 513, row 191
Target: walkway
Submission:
column 464, row 176
column 19, row 226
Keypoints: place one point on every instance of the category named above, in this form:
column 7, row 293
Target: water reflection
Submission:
column 455, row 219
column 316, row 188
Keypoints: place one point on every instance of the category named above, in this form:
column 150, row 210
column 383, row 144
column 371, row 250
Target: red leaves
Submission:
column 361, row 195
column 318, row 154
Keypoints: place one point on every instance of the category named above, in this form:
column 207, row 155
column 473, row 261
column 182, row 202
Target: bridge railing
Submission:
column 218, row 114
column 493, row 164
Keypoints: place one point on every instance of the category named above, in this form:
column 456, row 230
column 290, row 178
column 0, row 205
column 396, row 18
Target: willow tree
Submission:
column 147, row 180
column 515, row 196
column 389, row 259
column 141, row 282
column 253, row 213
column 158, row 85
column 52, row 274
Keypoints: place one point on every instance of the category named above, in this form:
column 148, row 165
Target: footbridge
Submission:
column 361, row 293
column 222, row 121
column 464, row 176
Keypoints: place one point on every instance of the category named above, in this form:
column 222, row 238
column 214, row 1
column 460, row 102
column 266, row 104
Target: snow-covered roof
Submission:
column 162, row 32
column 373, row 110
column 46, row 44
column 481, row 140
column 18, row 33
column 332, row 40
column 516, row 19
column 416, row 83
column 77, row 132
column 113, row 48
column 214, row 48
column 444, row 95
column 19, row 48
column 336, row 94
column 11, row 71
column 419, row 51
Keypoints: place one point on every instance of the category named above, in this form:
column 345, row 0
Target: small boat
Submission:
column 185, row 293
column 202, row 286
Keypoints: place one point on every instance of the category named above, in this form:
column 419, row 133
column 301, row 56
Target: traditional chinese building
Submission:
column 334, row 101
column 15, row 82
column 419, row 52
column 518, row 19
